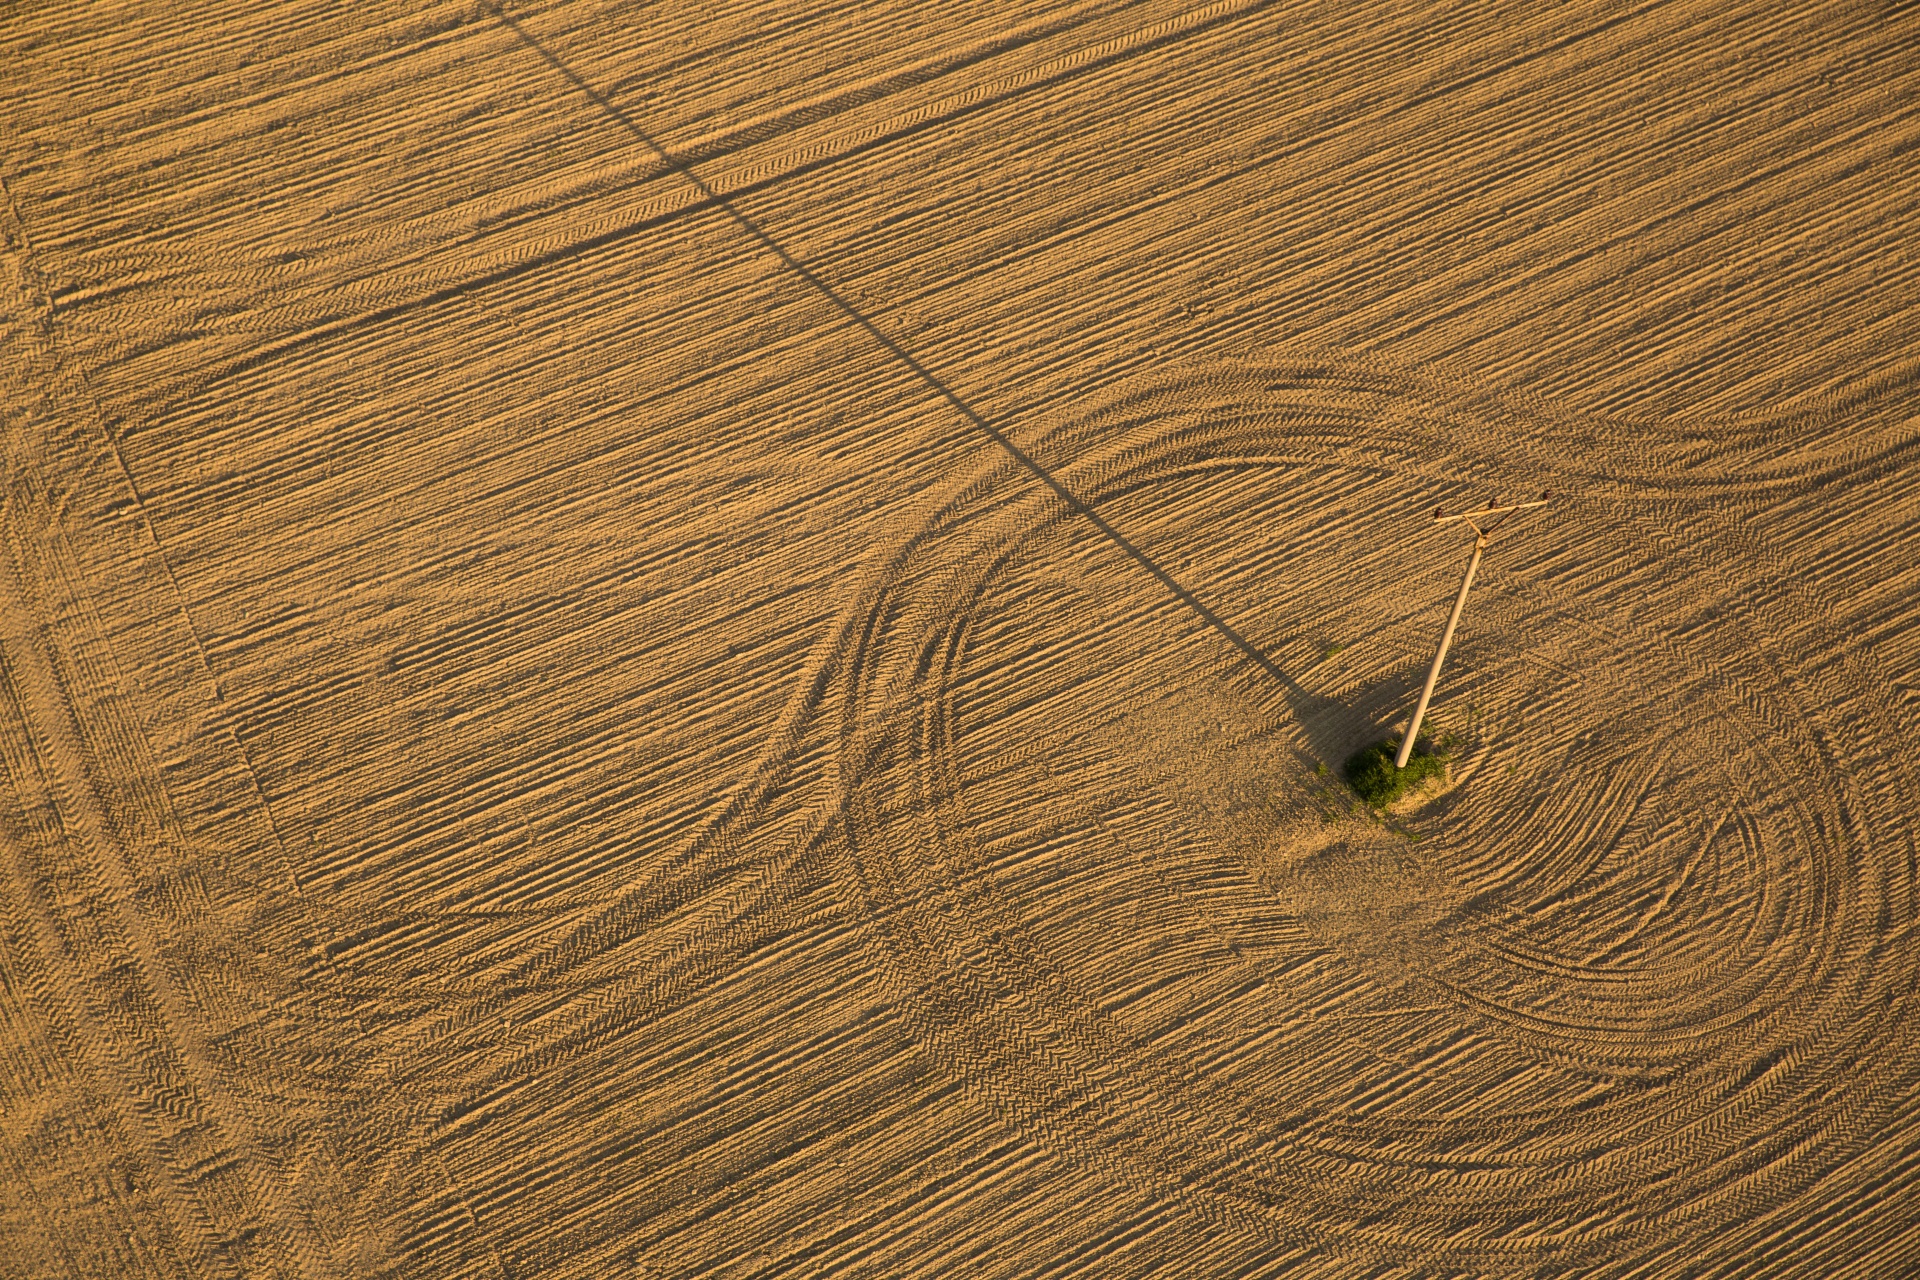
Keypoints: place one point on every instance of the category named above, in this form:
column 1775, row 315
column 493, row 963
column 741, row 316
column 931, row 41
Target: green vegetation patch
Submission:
column 1370, row 770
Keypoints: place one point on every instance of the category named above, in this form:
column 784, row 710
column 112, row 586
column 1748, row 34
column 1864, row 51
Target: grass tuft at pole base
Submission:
column 1370, row 770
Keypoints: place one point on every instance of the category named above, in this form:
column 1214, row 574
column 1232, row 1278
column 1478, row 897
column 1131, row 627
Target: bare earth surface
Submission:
column 699, row 639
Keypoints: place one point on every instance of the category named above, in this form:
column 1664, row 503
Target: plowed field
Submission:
column 716, row 639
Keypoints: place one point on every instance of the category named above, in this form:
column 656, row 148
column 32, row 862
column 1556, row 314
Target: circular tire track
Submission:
column 1666, row 967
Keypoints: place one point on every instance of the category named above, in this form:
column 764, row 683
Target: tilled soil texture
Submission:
column 716, row 640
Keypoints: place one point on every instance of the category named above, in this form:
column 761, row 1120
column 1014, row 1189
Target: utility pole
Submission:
column 1483, row 523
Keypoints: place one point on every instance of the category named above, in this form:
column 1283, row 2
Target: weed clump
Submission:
column 1370, row 770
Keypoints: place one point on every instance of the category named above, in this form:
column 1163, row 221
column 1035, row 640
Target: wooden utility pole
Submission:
column 1483, row 523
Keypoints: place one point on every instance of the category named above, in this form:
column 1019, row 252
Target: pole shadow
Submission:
column 1311, row 709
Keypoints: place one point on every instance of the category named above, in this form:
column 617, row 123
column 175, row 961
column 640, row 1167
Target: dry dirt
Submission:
column 705, row 638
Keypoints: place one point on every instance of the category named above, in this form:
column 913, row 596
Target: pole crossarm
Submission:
column 1482, row 513
column 1478, row 520
column 1483, row 522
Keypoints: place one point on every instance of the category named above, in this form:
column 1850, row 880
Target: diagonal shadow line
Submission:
column 354, row 322
column 906, row 358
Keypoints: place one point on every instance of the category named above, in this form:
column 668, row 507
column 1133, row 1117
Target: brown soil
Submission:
column 716, row 639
